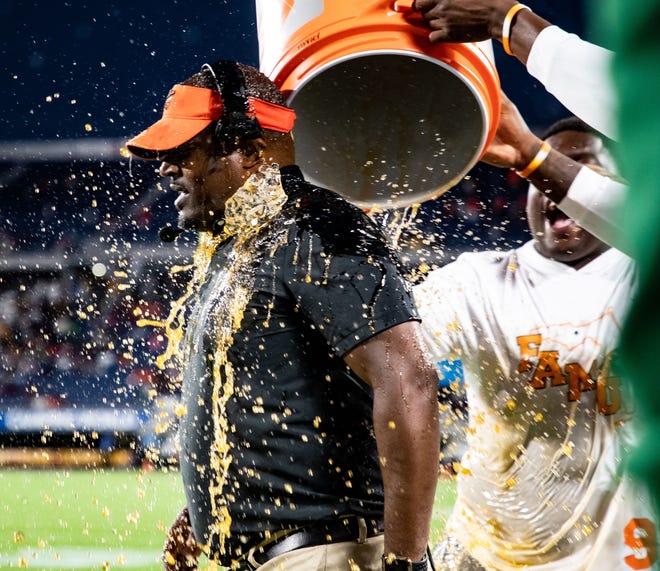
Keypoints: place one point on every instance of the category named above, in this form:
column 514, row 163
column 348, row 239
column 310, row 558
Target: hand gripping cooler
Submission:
column 384, row 117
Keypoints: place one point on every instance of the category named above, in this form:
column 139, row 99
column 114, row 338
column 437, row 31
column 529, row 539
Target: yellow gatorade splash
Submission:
column 404, row 235
column 247, row 212
column 404, row 221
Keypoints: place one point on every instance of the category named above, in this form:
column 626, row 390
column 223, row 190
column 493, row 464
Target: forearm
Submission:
column 405, row 413
column 525, row 29
column 594, row 200
column 554, row 176
column 407, row 433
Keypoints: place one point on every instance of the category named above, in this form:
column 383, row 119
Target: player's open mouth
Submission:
column 557, row 219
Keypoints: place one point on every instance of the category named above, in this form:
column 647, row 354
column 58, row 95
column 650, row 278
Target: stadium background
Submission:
column 81, row 261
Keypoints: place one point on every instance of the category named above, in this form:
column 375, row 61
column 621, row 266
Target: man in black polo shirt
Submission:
column 310, row 434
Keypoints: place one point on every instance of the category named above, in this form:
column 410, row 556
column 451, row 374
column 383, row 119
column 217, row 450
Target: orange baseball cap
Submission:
column 188, row 110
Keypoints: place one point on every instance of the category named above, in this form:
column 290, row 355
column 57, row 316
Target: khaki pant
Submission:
column 345, row 556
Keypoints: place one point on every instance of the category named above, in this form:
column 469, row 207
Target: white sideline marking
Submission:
column 72, row 557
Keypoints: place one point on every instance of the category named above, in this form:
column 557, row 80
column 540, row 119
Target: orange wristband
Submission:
column 506, row 27
column 535, row 163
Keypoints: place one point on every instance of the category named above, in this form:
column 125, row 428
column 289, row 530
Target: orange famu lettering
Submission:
column 529, row 347
column 640, row 536
column 548, row 369
column 578, row 381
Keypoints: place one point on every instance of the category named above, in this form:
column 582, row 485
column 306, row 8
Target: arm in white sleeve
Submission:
column 577, row 73
column 596, row 202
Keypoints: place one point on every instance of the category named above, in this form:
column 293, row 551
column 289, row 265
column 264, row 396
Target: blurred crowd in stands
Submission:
column 81, row 262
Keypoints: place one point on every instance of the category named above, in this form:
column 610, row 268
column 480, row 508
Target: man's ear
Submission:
column 253, row 152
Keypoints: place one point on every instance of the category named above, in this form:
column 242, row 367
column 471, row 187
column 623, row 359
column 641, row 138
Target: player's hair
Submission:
column 256, row 84
column 570, row 123
column 573, row 123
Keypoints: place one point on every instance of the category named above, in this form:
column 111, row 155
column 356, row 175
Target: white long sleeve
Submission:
column 596, row 202
column 577, row 73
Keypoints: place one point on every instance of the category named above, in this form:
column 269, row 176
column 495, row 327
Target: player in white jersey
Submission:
column 533, row 332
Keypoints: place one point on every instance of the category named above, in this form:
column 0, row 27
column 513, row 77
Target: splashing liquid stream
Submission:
column 247, row 213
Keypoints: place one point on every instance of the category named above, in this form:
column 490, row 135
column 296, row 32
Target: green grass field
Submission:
column 101, row 519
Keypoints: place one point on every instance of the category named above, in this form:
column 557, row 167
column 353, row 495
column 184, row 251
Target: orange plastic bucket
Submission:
column 385, row 117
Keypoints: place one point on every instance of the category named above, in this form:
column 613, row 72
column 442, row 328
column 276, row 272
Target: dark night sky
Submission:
column 68, row 64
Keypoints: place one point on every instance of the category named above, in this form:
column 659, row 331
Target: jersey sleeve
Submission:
column 448, row 328
column 596, row 203
column 348, row 297
column 577, row 73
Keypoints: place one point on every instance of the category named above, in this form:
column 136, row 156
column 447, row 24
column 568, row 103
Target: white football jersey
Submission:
column 542, row 483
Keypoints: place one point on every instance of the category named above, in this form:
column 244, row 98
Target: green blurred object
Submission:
column 633, row 27
column 105, row 519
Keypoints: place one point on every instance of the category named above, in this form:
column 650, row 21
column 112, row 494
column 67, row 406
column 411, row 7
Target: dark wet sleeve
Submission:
column 347, row 297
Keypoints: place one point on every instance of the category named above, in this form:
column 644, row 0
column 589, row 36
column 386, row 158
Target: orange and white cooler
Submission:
column 384, row 117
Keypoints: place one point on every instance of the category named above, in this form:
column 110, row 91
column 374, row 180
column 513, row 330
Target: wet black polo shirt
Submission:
column 302, row 442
